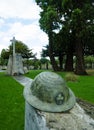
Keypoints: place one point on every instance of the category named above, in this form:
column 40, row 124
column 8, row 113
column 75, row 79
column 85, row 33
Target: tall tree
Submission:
column 48, row 23
column 77, row 18
column 78, row 14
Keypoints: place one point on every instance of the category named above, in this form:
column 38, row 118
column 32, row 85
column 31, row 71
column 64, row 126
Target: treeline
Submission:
column 69, row 25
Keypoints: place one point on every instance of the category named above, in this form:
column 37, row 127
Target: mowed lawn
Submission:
column 84, row 88
column 11, row 104
column 12, row 100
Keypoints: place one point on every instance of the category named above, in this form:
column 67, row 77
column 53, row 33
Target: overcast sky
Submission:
column 19, row 18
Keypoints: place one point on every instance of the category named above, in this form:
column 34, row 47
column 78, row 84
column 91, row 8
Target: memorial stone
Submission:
column 51, row 105
column 15, row 65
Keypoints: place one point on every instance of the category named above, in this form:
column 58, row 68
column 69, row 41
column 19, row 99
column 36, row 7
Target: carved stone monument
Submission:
column 51, row 105
column 15, row 65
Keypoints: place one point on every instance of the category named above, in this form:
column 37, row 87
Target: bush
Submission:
column 71, row 77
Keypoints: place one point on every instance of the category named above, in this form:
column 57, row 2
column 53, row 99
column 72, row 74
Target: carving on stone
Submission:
column 59, row 99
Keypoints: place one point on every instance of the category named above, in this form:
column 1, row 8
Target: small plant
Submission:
column 71, row 77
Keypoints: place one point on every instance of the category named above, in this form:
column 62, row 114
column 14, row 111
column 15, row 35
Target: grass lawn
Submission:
column 11, row 104
column 12, row 101
column 84, row 88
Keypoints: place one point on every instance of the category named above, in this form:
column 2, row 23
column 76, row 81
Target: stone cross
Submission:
column 14, row 66
column 13, row 42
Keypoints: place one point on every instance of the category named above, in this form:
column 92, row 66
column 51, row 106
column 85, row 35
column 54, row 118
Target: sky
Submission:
column 20, row 19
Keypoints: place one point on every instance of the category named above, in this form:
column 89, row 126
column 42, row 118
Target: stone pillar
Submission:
column 14, row 66
column 13, row 42
column 9, row 66
column 14, row 70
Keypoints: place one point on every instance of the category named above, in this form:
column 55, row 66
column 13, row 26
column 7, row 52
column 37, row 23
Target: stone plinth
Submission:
column 15, row 65
column 75, row 119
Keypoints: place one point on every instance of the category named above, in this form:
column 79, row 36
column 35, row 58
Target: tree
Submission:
column 44, row 61
column 22, row 48
column 78, row 13
column 76, row 17
column 48, row 23
column 4, row 56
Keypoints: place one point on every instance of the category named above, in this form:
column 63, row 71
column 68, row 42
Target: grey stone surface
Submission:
column 25, row 70
column 15, row 65
column 19, row 64
column 14, row 61
column 75, row 119
column 49, row 92
column 34, row 120
column 9, row 66
column 25, row 81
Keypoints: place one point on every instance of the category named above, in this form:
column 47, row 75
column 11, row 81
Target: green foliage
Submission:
column 4, row 56
column 44, row 60
column 5, row 53
column 11, row 104
column 33, row 73
column 89, row 59
column 45, row 52
column 22, row 48
column 69, row 24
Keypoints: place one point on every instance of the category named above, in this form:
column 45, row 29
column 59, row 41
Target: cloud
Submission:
column 29, row 34
column 19, row 18
column 19, row 8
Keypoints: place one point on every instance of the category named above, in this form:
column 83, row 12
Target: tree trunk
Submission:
column 61, row 60
column 51, row 54
column 80, row 66
column 69, row 59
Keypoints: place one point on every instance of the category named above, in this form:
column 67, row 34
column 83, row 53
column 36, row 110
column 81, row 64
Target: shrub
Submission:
column 71, row 77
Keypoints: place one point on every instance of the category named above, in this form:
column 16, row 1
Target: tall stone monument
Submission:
column 15, row 65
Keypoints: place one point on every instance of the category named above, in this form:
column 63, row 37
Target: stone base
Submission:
column 15, row 65
column 75, row 119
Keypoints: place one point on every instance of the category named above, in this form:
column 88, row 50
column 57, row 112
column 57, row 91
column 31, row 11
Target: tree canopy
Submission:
column 20, row 47
column 70, row 28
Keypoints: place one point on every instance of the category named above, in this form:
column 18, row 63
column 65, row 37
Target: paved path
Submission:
column 25, row 81
column 2, row 70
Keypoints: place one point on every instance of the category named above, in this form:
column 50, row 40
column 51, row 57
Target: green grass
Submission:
column 33, row 73
column 83, row 88
column 11, row 104
column 12, row 101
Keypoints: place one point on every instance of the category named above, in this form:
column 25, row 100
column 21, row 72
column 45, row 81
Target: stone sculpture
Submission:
column 49, row 92
column 51, row 105
column 15, row 65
